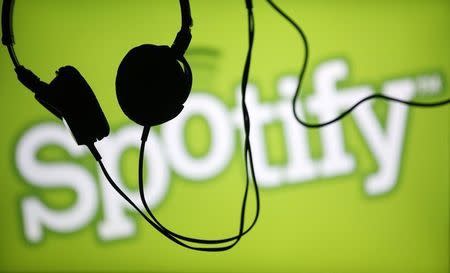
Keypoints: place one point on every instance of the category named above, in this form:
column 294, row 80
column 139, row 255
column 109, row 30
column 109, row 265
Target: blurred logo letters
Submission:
column 168, row 150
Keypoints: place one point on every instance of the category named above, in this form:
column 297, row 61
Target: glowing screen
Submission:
column 368, row 194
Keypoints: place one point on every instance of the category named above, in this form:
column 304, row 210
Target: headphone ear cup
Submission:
column 188, row 76
column 71, row 98
column 151, row 85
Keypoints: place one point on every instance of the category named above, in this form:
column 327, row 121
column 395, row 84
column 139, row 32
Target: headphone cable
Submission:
column 349, row 110
column 248, row 164
column 247, row 155
column 190, row 239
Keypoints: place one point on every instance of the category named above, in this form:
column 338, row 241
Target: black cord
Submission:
column 96, row 154
column 348, row 111
column 248, row 159
column 247, row 155
column 145, row 203
column 158, row 228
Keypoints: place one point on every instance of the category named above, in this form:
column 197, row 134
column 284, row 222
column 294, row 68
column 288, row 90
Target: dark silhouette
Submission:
column 152, row 84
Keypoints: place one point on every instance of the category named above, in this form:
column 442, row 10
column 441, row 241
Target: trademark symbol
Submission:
column 429, row 84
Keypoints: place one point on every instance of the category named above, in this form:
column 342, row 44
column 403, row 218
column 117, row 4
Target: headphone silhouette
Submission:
column 152, row 84
column 144, row 71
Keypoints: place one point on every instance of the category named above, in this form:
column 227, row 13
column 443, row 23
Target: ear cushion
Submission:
column 151, row 85
column 71, row 98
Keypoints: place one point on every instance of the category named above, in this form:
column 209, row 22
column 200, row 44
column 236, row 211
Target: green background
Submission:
column 327, row 225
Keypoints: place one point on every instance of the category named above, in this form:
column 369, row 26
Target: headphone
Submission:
column 152, row 84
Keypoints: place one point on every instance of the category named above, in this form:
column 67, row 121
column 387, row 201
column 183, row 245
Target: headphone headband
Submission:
column 7, row 30
column 181, row 41
column 186, row 18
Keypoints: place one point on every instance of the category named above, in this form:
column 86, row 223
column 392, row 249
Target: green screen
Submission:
column 368, row 194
